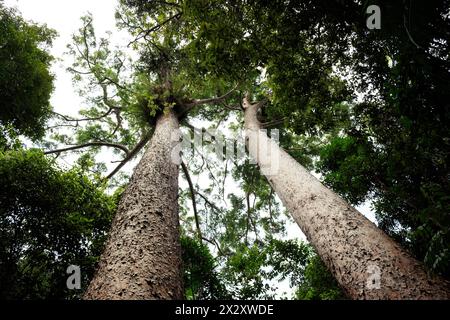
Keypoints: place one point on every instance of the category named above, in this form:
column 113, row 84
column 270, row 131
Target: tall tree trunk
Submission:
column 364, row 260
column 142, row 258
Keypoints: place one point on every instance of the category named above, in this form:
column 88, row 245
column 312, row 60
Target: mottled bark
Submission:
column 352, row 247
column 142, row 257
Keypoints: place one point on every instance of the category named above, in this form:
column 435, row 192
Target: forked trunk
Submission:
column 364, row 260
column 142, row 258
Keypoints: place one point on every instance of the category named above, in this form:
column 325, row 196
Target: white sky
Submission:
column 64, row 16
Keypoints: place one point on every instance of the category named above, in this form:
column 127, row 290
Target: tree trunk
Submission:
column 142, row 258
column 364, row 260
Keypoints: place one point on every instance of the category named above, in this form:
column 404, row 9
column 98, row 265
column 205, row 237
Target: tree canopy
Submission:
column 49, row 219
column 25, row 79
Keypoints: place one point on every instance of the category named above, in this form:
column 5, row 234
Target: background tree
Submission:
column 25, row 80
column 49, row 219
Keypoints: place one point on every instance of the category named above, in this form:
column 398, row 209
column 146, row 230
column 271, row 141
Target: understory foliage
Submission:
column 318, row 283
column 25, row 80
column 49, row 219
column 255, row 272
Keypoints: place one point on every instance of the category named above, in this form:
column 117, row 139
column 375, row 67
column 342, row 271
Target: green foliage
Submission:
column 49, row 219
column 288, row 260
column 318, row 283
column 104, row 77
column 9, row 139
column 201, row 280
column 394, row 151
column 344, row 163
column 245, row 273
column 252, row 272
column 25, row 79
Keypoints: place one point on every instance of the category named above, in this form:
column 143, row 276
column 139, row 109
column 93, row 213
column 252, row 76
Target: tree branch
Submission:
column 257, row 105
column 69, row 119
column 141, row 144
column 212, row 205
column 232, row 107
column 144, row 34
column 273, row 123
column 200, row 102
column 90, row 144
column 194, row 202
column 216, row 244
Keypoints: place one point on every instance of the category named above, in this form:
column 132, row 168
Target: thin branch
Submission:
column 224, row 181
column 90, row 144
column 196, row 103
column 105, row 98
column 84, row 73
column 111, row 108
column 206, row 163
column 141, row 144
column 212, row 205
column 114, row 82
column 62, row 126
column 409, row 34
column 232, row 107
column 247, row 198
column 216, row 244
column 146, row 33
column 69, row 119
column 273, row 123
column 194, row 202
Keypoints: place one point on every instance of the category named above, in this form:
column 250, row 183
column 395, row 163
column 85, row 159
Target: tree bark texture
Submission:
column 365, row 261
column 142, row 257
